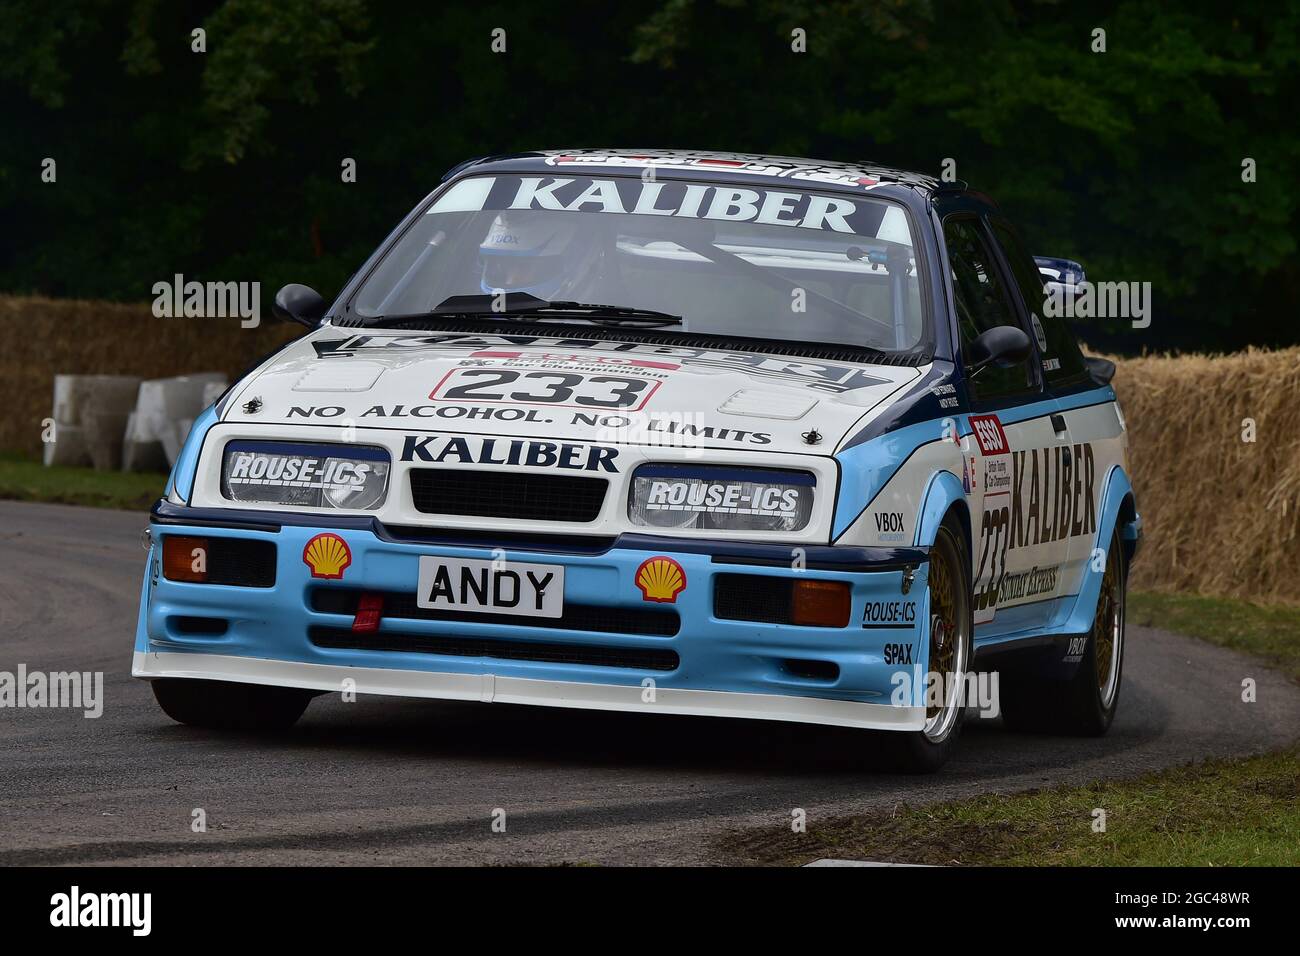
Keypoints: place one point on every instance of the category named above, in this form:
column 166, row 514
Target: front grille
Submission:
column 766, row 599
column 504, row 494
column 639, row 658
column 654, row 622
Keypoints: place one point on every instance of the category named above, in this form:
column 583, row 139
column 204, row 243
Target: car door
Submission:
column 1013, row 456
column 1094, row 432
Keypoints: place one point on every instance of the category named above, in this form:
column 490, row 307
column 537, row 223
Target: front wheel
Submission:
column 222, row 705
column 952, row 630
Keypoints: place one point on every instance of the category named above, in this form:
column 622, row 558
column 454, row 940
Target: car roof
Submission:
column 684, row 163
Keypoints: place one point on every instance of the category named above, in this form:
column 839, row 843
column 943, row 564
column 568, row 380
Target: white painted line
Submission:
column 860, row 863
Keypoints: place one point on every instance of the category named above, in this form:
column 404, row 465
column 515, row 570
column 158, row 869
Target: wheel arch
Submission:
column 1116, row 514
column 1130, row 526
column 943, row 495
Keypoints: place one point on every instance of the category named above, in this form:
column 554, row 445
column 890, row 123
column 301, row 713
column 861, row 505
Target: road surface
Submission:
column 383, row 781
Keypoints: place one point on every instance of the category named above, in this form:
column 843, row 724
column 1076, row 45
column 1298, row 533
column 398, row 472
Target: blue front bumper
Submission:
column 262, row 634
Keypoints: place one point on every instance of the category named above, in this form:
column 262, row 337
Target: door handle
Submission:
column 1058, row 423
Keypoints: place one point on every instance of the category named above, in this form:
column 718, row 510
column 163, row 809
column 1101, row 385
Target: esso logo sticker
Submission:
column 989, row 434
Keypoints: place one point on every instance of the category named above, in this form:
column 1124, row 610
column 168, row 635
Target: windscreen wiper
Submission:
column 526, row 307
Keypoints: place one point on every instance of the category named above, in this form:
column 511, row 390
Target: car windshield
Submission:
column 776, row 263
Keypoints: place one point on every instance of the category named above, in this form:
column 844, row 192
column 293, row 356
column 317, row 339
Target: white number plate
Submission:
column 486, row 587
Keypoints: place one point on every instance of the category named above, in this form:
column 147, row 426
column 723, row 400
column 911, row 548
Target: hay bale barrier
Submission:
column 1222, row 514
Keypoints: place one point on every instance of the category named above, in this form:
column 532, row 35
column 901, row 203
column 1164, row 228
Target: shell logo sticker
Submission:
column 660, row 579
column 327, row 555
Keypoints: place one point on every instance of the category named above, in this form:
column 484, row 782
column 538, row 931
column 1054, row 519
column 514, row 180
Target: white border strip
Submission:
column 490, row 688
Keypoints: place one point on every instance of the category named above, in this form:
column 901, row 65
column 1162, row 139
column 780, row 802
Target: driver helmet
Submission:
column 544, row 255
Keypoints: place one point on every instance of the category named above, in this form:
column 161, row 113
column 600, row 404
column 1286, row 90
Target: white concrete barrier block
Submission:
column 74, row 395
column 68, row 447
column 141, row 454
column 120, row 421
column 173, row 437
column 169, row 399
column 103, row 431
column 168, row 406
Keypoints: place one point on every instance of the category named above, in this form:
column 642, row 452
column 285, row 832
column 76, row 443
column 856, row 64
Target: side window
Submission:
column 982, row 303
column 1062, row 360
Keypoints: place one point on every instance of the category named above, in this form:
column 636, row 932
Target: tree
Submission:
column 226, row 164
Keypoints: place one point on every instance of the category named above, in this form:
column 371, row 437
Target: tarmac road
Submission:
column 385, row 781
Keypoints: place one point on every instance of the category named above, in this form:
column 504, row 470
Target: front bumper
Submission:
column 292, row 634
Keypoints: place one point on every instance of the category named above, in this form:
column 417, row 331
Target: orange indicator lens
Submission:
column 820, row 603
column 185, row 559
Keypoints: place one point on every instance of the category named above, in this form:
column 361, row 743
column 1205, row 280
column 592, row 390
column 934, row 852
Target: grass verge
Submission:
column 25, row 479
column 1269, row 632
column 1219, row 813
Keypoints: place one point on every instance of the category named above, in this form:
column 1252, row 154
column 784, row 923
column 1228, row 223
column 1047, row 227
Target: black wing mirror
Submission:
column 299, row 303
column 1002, row 345
column 1102, row 370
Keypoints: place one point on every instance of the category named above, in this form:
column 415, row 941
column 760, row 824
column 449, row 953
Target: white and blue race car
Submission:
column 666, row 432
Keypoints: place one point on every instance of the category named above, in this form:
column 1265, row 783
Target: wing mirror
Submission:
column 1102, row 370
column 1002, row 346
column 301, row 304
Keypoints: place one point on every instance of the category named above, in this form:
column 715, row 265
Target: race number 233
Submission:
column 993, row 557
column 544, row 388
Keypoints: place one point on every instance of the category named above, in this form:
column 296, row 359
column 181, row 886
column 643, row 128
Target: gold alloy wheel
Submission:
column 1108, row 630
column 949, row 639
column 943, row 622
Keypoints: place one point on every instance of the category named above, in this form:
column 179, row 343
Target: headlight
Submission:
column 720, row 498
column 308, row 476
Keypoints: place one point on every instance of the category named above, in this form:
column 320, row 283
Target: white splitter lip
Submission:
column 491, row 688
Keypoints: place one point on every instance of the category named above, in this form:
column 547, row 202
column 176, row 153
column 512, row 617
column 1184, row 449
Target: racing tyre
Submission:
column 952, row 630
column 219, row 705
column 1085, row 705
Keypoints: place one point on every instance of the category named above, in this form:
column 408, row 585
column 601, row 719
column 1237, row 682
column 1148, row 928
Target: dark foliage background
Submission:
column 226, row 164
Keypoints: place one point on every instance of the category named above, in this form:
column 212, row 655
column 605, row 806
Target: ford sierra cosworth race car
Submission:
column 665, row 432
